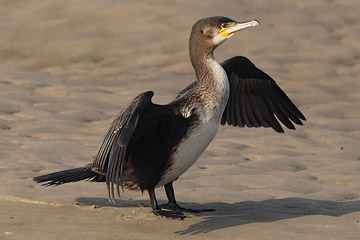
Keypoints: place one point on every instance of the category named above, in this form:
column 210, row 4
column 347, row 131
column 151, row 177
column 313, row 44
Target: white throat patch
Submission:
column 218, row 39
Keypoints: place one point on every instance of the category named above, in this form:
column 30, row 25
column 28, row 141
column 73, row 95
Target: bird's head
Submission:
column 211, row 32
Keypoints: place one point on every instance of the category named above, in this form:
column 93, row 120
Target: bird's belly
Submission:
column 189, row 150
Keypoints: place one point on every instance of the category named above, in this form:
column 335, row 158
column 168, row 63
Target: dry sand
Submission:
column 68, row 67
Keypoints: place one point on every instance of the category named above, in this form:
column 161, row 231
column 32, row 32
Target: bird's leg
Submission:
column 173, row 206
column 165, row 213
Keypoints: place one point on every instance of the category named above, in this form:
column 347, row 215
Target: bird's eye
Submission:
column 224, row 25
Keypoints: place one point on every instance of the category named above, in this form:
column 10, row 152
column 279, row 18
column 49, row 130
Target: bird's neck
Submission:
column 201, row 60
column 213, row 83
column 208, row 71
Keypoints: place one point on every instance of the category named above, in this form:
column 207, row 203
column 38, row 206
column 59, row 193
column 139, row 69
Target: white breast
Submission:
column 190, row 149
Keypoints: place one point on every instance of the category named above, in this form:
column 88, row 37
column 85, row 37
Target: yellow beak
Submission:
column 235, row 27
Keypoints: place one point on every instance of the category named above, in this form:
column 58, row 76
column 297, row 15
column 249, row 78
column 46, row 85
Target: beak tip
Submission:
column 255, row 23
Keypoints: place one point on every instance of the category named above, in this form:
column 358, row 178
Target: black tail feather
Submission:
column 67, row 176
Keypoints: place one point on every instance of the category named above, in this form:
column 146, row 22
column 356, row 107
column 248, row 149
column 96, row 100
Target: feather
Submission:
column 255, row 98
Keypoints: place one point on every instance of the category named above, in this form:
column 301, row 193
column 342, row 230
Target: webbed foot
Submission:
column 175, row 207
column 169, row 214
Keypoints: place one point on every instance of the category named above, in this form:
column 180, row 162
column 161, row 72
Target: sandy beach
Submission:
column 68, row 67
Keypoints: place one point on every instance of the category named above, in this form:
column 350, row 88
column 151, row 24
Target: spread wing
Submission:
column 112, row 156
column 255, row 99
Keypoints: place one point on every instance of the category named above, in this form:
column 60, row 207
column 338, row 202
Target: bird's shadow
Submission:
column 104, row 202
column 235, row 214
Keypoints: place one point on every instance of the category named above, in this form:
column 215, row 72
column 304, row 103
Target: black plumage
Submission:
column 255, row 98
column 150, row 145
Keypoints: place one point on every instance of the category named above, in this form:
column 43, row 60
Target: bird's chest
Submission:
column 190, row 148
column 216, row 94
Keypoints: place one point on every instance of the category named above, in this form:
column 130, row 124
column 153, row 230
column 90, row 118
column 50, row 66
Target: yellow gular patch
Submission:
column 224, row 30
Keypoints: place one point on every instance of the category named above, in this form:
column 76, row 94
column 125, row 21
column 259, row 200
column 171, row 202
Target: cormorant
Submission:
column 150, row 145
